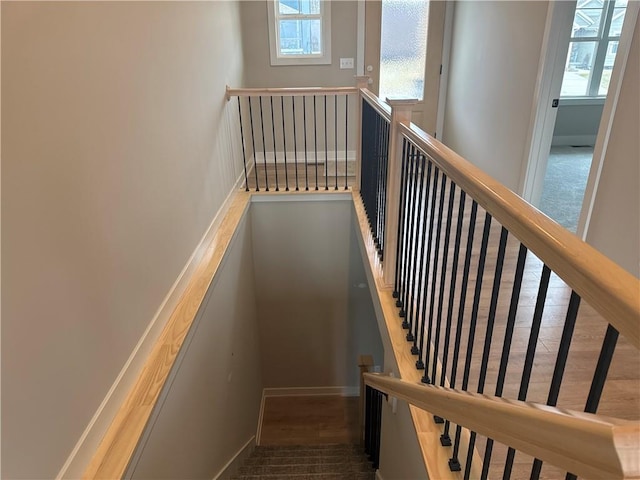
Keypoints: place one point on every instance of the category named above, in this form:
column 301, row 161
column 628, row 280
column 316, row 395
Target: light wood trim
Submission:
column 117, row 447
column 382, row 108
column 289, row 92
column 587, row 445
column 607, row 287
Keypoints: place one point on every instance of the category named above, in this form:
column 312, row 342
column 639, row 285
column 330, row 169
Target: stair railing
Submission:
column 589, row 445
column 298, row 139
column 475, row 273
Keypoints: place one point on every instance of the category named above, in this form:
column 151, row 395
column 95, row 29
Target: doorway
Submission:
column 429, row 16
column 582, row 41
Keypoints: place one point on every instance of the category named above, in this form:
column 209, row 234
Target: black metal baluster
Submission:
column 346, row 136
column 295, row 139
column 561, row 362
column 326, row 152
column 275, row 158
column 443, row 277
column 253, row 144
column 315, row 138
column 264, row 149
column 421, row 331
column 434, row 274
column 444, row 438
column 304, row 126
column 600, row 375
column 335, row 138
column 495, row 291
column 400, row 235
column 454, row 463
column 411, row 238
column 284, row 144
column 506, row 347
column 378, row 183
column 244, row 154
column 413, row 317
column 531, row 351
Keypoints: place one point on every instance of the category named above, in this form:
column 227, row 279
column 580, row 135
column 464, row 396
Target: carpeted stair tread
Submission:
column 311, row 476
column 305, row 460
column 305, row 468
column 321, row 462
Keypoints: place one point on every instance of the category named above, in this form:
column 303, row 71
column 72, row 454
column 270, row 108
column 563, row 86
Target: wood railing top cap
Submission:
column 396, row 101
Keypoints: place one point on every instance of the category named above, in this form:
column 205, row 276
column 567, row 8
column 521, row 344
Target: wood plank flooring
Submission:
column 310, row 420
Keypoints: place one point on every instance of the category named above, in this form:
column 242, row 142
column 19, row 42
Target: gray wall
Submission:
column 116, row 157
column 577, row 124
column 210, row 409
column 495, row 53
column 260, row 73
column 314, row 316
column 615, row 221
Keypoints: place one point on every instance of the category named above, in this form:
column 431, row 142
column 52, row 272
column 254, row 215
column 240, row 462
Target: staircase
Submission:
column 337, row 461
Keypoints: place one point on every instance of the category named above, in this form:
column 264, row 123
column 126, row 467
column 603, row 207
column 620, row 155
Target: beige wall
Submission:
column 260, row 73
column 615, row 221
column 314, row 310
column 495, row 53
column 116, row 157
column 210, row 408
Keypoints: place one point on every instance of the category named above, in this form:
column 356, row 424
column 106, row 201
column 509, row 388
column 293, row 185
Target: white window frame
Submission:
column 274, row 18
column 602, row 42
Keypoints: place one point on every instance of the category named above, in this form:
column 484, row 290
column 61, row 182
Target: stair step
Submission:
column 305, row 469
column 306, row 460
column 310, row 476
column 322, row 462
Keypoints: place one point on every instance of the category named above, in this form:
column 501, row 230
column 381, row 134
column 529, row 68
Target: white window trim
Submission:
column 602, row 41
column 274, row 41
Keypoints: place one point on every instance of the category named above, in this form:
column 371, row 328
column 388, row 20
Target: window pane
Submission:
column 612, row 49
column 616, row 21
column 403, row 48
column 578, row 69
column 586, row 22
column 300, row 37
column 297, row 7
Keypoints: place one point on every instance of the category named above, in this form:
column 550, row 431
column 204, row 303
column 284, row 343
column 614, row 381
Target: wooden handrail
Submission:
column 288, row 92
column 608, row 288
column 588, row 445
column 381, row 107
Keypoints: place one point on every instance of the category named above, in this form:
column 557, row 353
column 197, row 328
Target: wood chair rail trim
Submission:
column 289, row 92
column 588, row 445
column 117, row 447
column 607, row 287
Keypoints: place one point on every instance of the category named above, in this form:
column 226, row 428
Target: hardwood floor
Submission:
column 309, row 420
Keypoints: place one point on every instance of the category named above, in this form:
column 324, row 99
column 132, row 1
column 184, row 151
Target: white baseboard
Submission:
column 329, row 156
column 96, row 428
column 310, row 391
column 236, row 461
column 379, row 475
column 578, row 140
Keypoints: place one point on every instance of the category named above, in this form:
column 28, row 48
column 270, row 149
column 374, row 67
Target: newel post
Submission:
column 400, row 114
column 361, row 82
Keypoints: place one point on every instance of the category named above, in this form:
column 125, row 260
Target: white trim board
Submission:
column 311, row 391
column 231, row 467
column 88, row 442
